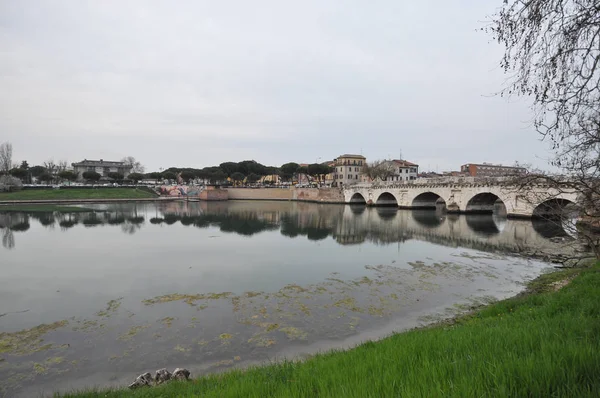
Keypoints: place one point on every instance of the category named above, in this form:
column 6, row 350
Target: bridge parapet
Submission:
column 460, row 198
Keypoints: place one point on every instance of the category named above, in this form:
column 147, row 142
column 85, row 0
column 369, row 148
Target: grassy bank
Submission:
column 74, row 194
column 545, row 343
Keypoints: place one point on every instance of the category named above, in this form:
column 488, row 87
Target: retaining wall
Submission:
column 324, row 195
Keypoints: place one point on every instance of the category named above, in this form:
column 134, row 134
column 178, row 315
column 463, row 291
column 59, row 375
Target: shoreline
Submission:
column 242, row 381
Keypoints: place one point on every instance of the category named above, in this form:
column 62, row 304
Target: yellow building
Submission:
column 348, row 169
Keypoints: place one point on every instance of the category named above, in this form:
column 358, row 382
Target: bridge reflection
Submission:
column 348, row 224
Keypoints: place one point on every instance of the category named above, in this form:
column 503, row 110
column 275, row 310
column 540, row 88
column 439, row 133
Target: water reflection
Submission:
column 345, row 224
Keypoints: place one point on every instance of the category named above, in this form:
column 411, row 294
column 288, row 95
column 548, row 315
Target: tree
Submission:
column 21, row 174
column 37, row 171
column 188, row 175
column 136, row 167
column 552, row 56
column 155, row 176
column 252, row 178
column 217, row 177
column 378, row 169
column 46, row 177
column 229, row 168
column 91, row 176
column 115, row 176
column 237, row 177
column 169, row 175
column 50, row 167
column 68, row 175
column 135, row 177
column 24, row 165
column 288, row 170
column 5, row 157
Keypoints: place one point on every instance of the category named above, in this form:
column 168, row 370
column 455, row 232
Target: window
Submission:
column 349, row 176
column 406, row 171
column 360, row 163
column 356, row 177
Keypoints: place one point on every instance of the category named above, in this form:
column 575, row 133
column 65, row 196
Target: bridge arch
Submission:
column 357, row 199
column 386, row 199
column 485, row 202
column 428, row 200
column 555, row 207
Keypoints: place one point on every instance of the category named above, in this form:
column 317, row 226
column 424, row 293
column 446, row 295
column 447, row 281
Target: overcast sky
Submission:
column 196, row 83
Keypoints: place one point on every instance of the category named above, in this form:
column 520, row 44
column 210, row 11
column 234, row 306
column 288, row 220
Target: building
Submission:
column 348, row 169
column 102, row 167
column 490, row 170
column 403, row 170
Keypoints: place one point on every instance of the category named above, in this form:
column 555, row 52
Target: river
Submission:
column 96, row 297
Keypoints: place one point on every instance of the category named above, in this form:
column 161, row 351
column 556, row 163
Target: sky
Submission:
column 197, row 83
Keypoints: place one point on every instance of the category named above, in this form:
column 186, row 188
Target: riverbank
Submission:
column 545, row 342
column 75, row 195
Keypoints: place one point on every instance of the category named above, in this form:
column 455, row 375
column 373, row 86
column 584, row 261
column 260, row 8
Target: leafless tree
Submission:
column 5, row 157
column 137, row 167
column 378, row 170
column 51, row 167
column 552, row 55
column 61, row 166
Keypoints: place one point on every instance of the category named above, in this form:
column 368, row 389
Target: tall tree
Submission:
column 5, row 157
column 136, row 167
column 288, row 170
column 552, row 55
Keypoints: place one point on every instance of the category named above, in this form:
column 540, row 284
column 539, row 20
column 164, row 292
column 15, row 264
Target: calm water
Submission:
column 95, row 298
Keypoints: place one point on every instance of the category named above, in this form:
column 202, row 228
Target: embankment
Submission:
column 319, row 195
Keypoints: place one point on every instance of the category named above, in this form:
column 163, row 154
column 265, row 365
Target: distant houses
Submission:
column 102, row 167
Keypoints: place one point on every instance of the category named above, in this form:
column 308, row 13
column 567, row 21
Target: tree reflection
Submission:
column 347, row 224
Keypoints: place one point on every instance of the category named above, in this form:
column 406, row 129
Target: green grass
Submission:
column 59, row 194
column 542, row 344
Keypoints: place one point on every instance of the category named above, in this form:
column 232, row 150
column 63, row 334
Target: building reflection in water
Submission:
column 346, row 224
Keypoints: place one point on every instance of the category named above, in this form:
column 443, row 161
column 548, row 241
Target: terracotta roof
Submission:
column 405, row 163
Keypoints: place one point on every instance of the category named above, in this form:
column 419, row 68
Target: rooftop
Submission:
column 352, row 156
column 99, row 163
column 405, row 163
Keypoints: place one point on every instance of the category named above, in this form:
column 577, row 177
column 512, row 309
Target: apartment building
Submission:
column 348, row 169
column 490, row 170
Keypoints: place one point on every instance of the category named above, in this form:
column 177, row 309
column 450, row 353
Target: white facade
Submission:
column 403, row 171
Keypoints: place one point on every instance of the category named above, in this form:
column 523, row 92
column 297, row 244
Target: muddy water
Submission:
column 96, row 297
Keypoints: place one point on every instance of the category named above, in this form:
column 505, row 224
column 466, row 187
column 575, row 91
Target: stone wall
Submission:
column 260, row 193
column 212, row 194
column 324, row 195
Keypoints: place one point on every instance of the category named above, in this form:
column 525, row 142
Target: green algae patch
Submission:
column 168, row 321
column 111, row 307
column 293, row 333
column 180, row 348
column 260, row 340
column 40, row 369
column 28, row 341
column 187, row 298
column 225, row 336
column 55, row 360
column 132, row 332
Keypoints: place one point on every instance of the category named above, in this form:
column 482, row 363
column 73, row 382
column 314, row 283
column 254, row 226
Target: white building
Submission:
column 102, row 167
column 403, row 170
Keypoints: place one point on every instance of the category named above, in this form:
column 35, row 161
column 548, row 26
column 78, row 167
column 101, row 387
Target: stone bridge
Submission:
column 466, row 198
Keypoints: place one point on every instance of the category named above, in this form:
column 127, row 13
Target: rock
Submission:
column 181, row 374
column 142, row 380
column 162, row 376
